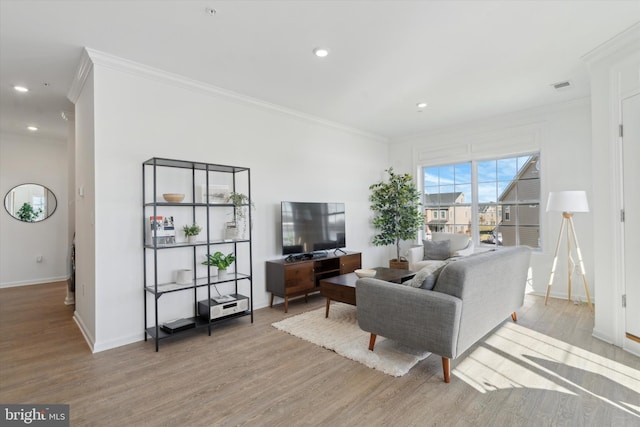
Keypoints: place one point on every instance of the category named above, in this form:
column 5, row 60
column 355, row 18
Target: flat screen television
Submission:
column 309, row 227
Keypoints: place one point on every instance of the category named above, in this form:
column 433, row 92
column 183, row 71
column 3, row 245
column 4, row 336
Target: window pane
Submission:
column 528, row 215
column 487, row 193
column 528, row 189
column 507, row 169
column 447, row 175
column 430, row 176
column 465, row 190
column 529, row 236
column 463, row 173
column 487, row 171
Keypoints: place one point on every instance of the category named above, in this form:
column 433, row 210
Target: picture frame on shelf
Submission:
column 218, row 193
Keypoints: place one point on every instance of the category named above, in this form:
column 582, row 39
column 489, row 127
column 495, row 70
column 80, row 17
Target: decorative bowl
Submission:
column 173, row 197
column 363, row 272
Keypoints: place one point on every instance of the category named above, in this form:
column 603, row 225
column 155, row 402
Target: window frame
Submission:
column 475, row 204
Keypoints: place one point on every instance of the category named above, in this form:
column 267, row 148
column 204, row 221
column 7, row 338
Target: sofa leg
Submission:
column 446, row 369
column 372, row 341
column 514, row 316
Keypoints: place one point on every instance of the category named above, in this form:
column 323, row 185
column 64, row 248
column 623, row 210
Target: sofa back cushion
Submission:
column 457, row 242
column 440, row 250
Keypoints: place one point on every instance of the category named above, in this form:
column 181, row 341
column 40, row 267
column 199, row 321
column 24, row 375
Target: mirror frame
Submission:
column 46, row 190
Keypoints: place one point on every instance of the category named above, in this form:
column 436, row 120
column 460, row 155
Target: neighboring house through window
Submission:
column 496, row 201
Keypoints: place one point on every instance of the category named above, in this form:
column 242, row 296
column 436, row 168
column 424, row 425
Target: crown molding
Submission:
column 95, row 57
column 82, row 72
column 629, row 40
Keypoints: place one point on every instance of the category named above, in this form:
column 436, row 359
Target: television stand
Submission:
column 339, row 250
column 290, row 277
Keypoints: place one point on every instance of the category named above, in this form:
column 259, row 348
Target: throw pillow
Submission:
column 436, row 250
column 427, row 276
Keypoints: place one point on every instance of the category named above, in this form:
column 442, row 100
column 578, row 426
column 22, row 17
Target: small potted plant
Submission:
column 191, row 232
column 221, row 261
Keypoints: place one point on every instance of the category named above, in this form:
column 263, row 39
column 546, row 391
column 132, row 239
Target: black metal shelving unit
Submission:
column 201, row 174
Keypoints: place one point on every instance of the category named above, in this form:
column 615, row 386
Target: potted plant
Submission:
column 221, row 261
column 397, row 215
column 240, row 210
column 27, row 213
column 191, row 231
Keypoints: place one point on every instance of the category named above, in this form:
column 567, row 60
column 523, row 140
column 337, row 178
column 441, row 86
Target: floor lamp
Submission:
column 568, row 202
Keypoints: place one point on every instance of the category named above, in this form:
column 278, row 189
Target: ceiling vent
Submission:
column 562, row 85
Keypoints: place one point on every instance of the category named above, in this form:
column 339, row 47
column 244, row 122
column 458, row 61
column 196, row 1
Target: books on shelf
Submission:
column 162, row 230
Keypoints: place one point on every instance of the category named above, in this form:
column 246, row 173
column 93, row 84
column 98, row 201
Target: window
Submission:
column 496, row 201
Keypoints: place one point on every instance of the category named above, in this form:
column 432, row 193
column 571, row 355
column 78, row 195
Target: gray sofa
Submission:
column 471, row 296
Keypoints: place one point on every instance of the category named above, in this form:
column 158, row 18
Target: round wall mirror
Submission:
column 30, row 202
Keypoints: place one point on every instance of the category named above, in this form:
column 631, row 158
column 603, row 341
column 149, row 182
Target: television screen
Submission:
column 309, row 227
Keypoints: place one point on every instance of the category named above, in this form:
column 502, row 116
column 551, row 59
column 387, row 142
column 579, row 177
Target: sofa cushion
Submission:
column 433, row 250
column 427, row 276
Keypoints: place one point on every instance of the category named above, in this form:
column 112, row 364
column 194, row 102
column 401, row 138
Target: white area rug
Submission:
column 341, row 333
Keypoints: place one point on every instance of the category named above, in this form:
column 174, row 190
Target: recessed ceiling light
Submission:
column 320, row 52
column 21, row 89
column 32, row 128
column 211, row 11
column 421, row 105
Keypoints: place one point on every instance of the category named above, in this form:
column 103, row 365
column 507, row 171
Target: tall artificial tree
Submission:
column 396, row 207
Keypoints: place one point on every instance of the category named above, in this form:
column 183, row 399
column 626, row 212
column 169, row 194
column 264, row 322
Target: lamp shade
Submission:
column 567, row 201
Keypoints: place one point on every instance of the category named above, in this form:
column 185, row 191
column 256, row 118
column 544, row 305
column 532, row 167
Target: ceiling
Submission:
column 466, row 59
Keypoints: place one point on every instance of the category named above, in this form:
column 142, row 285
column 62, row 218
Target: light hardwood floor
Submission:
column 544, row 370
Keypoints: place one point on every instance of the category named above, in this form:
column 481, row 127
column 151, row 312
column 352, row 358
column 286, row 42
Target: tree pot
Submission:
column 403, row 264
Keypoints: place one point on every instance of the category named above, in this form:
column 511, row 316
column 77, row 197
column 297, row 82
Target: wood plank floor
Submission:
column 546, row 370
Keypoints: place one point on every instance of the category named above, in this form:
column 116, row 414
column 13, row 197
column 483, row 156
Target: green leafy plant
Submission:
column 191, row 230
column 396, row 207
column 27, row 213
column 220, row 260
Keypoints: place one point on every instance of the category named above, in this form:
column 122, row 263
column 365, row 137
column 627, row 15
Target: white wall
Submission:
column 84, row 202
column 562, row 134
column 142, row 113
column 25, row 159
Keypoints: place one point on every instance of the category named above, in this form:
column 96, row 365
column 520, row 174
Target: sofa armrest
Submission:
column 417, row 318
column 414, row 255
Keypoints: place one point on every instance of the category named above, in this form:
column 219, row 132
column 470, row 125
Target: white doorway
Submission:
column 631, row 223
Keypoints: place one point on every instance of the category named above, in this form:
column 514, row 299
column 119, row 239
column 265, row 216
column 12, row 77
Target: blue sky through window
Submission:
column 494, row 176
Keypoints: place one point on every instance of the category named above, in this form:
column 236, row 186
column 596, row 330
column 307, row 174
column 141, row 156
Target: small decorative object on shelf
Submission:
column 230, row 231
column 173, row 197
column 191, row 232
column 184, row 276
column 199, row 200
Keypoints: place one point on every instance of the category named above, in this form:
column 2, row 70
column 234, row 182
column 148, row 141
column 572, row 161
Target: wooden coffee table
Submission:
column 343, row 288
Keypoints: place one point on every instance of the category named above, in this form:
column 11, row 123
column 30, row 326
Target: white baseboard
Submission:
column 88, row 337
column 108, row 345
column 33, row 282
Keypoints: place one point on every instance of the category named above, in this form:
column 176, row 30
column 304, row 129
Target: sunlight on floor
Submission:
column 517, row 357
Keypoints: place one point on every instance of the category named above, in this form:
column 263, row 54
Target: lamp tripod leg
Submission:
column 582, row 271
column 555, row 262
